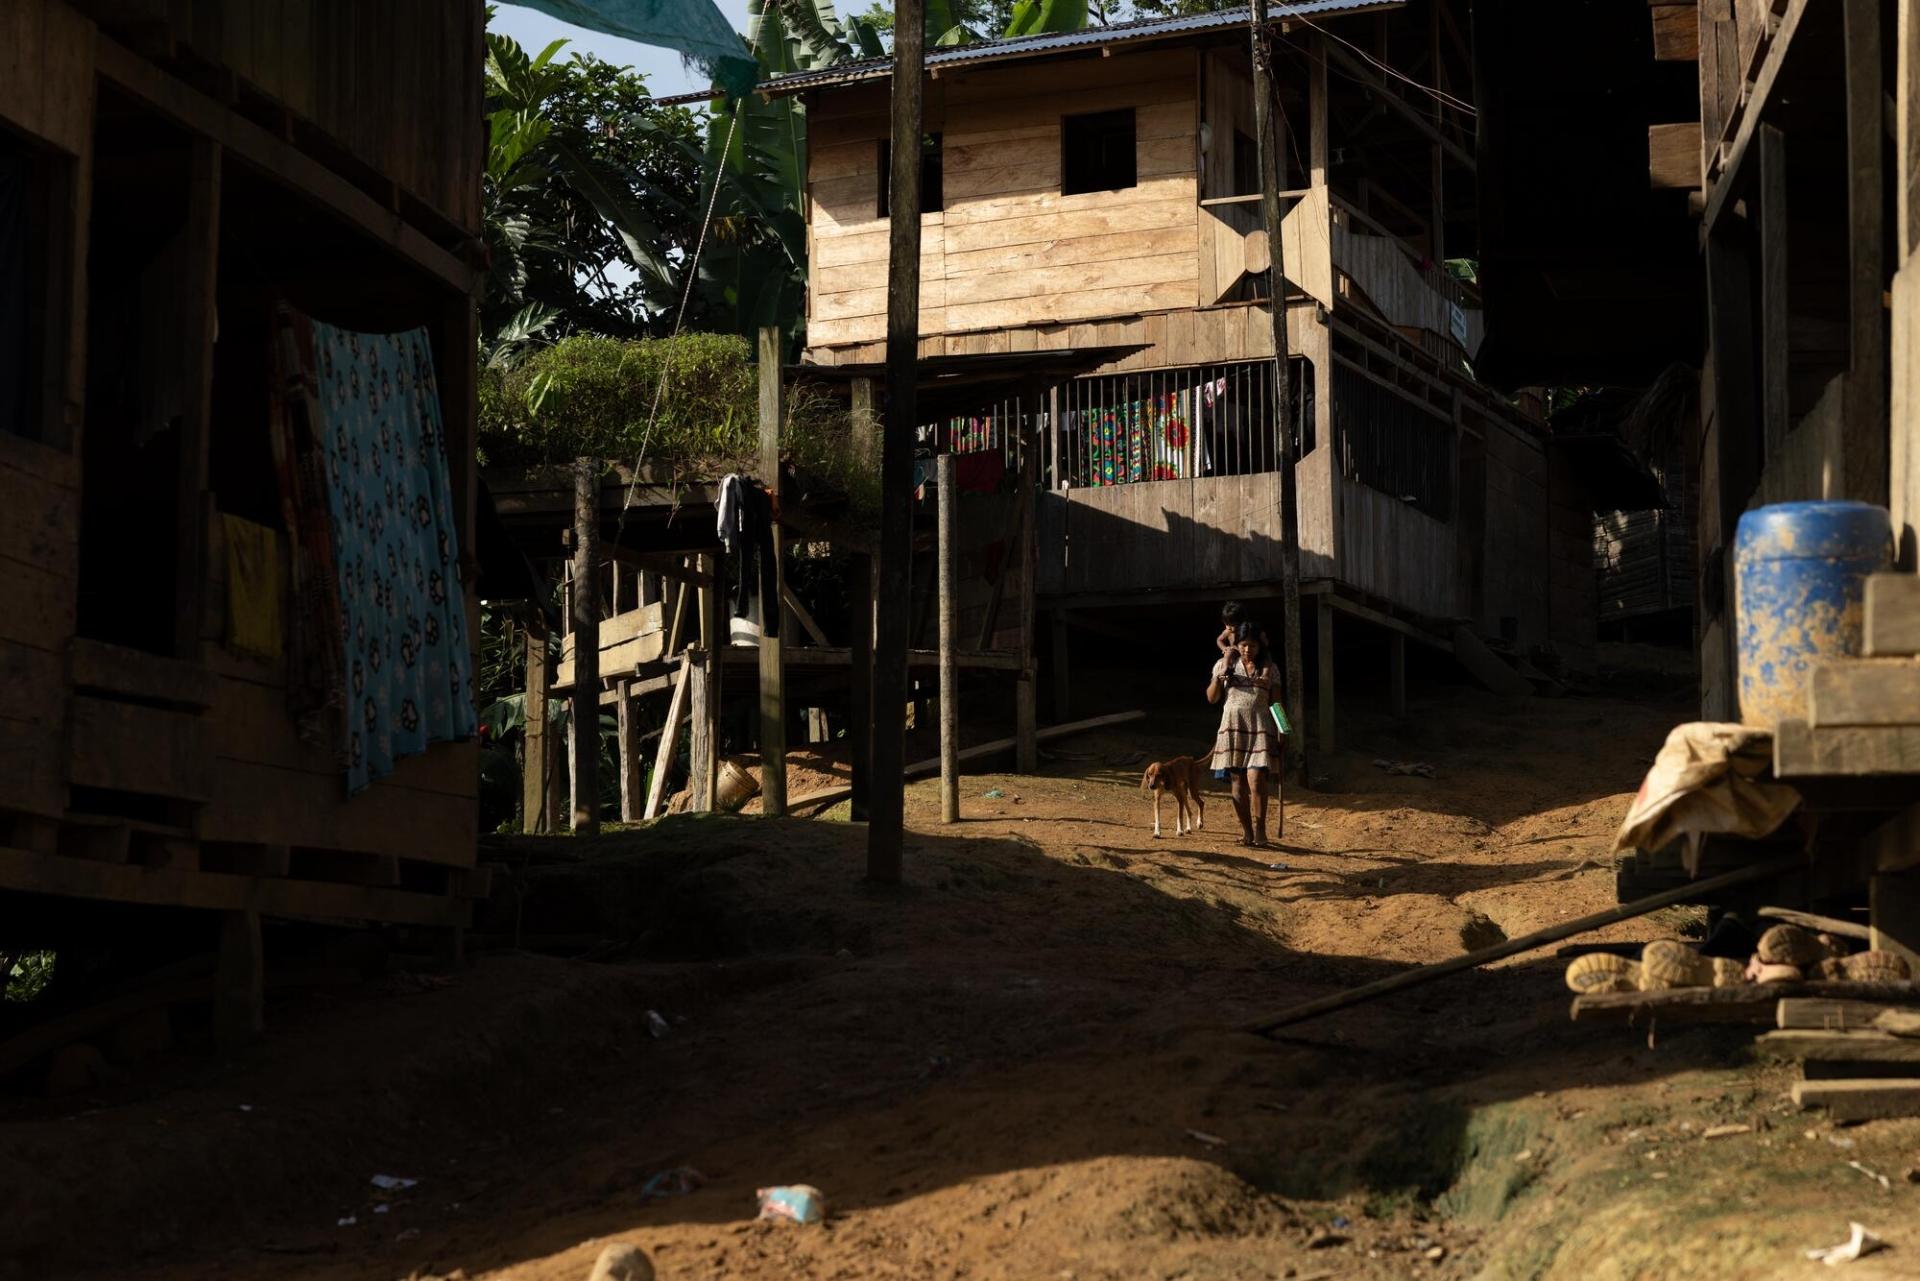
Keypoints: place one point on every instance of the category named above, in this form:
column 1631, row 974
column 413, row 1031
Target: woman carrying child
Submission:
column 1248, row 747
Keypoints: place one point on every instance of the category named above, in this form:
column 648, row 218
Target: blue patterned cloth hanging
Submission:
column 396, row 539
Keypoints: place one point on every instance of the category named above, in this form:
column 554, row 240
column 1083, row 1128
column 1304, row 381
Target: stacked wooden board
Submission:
column 1863, row 714
column 1860, row 1059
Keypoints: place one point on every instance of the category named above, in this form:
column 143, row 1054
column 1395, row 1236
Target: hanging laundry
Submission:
column 747, row 532
column 396, row 533
column 256, row 594
column 727, row 510
column 316, row 655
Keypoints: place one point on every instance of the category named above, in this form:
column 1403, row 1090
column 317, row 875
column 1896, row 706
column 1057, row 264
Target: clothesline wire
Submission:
column 1438, row 95
column 686, row 297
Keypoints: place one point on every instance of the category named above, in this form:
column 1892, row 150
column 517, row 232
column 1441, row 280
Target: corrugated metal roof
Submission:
column 982, row 51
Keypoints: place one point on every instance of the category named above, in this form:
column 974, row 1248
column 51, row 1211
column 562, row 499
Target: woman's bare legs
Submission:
column 1256, row 787
column 1240, row 807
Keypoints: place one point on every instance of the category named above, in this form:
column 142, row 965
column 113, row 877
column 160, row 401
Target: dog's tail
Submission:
column 1205, row 755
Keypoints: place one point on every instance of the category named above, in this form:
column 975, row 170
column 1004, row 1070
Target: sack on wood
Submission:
column 1665, row 964
column 1603, row 972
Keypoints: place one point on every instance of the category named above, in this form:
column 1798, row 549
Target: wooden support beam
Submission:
column 258, row 149
column 1026, row 714
column 669, row 737
column 1062, row 668
column 1268, row 126
column 1863, row 425
column 1676, row 38
column 195, row 310
column 632, row 771
column 800, row 614
column 585, row 744
column 948, row 498
column 239, row 986
column 773, row 673
column 704, row 695
column 886, row 804
column 1727, row 176
column 860, row 610
column 1323, row 666
column 1775, row 303
column 1864, row 691
column 1397, row 673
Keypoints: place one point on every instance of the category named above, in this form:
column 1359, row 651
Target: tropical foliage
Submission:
column 587, row 199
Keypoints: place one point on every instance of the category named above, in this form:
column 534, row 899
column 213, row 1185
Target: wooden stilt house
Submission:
column 178, row 182
column 1102, row 188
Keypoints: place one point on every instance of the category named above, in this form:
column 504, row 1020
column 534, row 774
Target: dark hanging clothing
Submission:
column 747, row 530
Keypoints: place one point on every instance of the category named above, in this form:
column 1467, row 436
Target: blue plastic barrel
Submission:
column 1800, row 576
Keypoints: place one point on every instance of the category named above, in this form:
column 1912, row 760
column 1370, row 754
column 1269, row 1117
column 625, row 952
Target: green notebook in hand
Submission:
column 1280, row 718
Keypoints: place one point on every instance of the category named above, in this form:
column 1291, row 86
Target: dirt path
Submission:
column 1019, row 1066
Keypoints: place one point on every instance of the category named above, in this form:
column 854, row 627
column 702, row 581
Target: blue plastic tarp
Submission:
column 695, row 28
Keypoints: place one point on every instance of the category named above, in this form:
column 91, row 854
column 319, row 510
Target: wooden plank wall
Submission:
column 1515, row 582
column 1390, row 549
column 633, row 636
column 47, row 95
column 1009, row 249
column 1379, row 269
column 270, row 786
column 1177, row 535
column 392, row 82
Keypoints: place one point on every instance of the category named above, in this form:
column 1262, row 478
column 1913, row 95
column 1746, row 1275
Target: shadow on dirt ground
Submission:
column 1024, row 1063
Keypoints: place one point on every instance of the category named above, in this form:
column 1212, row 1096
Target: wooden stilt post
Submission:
column 633, row 798
column 669, row 737
column 1774, row 301
column 586, row 646
column 1062, row 671
column 773, row 675
column 1397, row 672
column 949, row 668
column 240, row 981
column 537, row 764
column 886, row 803
column 1026, row 715
column 860, row 614
column 705, row 692
column 1266, row 104
column 1324, row 664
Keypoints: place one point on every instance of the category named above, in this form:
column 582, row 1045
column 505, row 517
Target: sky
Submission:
column 665, row 76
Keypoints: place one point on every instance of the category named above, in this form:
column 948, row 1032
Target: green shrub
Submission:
column 593, row 396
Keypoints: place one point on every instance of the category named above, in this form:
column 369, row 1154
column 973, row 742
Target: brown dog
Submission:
column 1184, row 777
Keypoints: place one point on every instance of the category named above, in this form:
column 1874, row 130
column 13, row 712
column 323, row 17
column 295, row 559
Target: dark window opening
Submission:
column 1386, row 442
column 932, row 196
column 24, row 254
column 1246, row 165
column 1097, row 152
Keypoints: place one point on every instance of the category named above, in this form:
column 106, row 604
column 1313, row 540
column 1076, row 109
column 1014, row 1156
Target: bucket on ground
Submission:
column 734, row 788
column 1800, row 579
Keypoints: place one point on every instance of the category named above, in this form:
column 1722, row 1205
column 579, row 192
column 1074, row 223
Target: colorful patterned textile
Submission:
column 316, row 671
column 1147, row 439
column 396, row 532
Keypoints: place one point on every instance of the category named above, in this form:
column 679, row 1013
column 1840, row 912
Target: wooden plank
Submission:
column 1728, row 94
column 1838, row 1046
column 131, row 673
column 1673, row 156
column 1827, row 1014
column 1800, row 751
column 1863, row 465
column 1757, row 1003
column 773, row 678
column 1676, row 38
column 1820, row 924
column 1865, row 691
column 129, row 748
column 630, row 760
column 538, row 768
column 254, row 802
column 1870, row 1100
column 1892, row 615
column 669, row 737
column 218, row 891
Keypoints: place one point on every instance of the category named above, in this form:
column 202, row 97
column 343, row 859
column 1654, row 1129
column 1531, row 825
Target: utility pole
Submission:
column 887, row 803
column 1266, row 105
